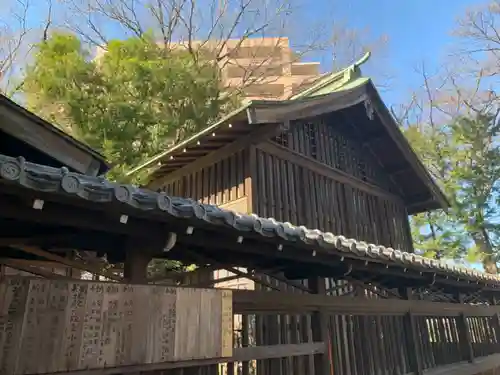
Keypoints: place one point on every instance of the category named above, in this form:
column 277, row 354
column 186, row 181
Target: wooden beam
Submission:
column 37, row 133
column 247, row 275
column 289, row 282
column 370, row 285
column 261, row 133
column 239, row 355
column 179, row 275
column 8, row 241
column 14, row 263
column 480, row 366
column 68, row 262
column 326, row 170
column 402, row 143
column 242, row 354
column 246, row 301
column 211, row 283
column 69, row 215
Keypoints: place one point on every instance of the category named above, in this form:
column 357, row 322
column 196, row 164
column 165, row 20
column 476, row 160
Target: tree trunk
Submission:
column 481, row 240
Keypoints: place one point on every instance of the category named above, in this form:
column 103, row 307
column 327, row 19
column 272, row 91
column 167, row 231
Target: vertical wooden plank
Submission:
column 15, row 308
column 31, row 360
column 292, row 193
column 188, row 306
column 227, row 323
column 270, row 185
column 251, row 187
column 74, row 325
column 55, row 324
column 412, row 337
column 320, row 329
column 240, row 172
column 92, row 325
column 277, row 186
column 168, row 319
column 127, row 309
column 219, row 171
column 153, row 351
column 194, row 328
column 217, row 331
column 465, row 335
column 208, row 299
column 141, row 322
column 245, row 341
column 234, row 177
column 110, row 321
column 3, row 311
column 205, row 186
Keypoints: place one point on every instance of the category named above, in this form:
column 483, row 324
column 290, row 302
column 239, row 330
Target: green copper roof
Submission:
column 344, row 80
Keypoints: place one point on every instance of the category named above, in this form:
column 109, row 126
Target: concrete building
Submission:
column 260, row 68
column 266, row 68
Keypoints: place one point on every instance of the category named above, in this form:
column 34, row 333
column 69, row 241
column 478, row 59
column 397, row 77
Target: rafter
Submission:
column 68, row 262
column 22, row 266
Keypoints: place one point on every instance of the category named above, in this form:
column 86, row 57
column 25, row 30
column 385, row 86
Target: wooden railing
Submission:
column 276, row 333
column 372, row 336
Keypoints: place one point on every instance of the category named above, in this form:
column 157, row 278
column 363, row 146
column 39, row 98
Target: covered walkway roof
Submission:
column 91, row 213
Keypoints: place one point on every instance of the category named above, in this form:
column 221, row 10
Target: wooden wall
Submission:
column 221, row 183
column 332, row 141
column 317, row 200
column 51, row 326
column 313, row 176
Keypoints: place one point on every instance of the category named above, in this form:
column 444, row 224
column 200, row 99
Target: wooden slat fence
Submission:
column 372, row 335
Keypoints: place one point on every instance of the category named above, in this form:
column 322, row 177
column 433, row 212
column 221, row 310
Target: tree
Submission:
column 220, row 28
column 455, row 132
column 206, row 28
column 128, row 104
column 13, row 34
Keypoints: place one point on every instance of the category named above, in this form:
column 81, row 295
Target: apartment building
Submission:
column 266, row 68
column 260, row 68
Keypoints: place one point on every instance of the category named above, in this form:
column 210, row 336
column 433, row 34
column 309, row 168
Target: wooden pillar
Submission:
column 320, row 329
column 464, row 335
column 496, row 323
column 413, row 341
column 137, row 259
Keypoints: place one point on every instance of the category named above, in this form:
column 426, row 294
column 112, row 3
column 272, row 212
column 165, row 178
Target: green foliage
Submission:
column 129, row 103
column 464, row 158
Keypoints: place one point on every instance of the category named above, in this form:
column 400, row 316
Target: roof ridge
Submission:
column 338, row 79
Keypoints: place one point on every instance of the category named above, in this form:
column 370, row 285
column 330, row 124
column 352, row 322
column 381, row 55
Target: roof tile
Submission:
column 98, row 189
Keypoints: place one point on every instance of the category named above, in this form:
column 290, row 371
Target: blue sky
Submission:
column 417, row 30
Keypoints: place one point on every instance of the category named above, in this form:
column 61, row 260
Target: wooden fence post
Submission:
column 496, row 323
column 464, row 335
column 137, row 258
column 413, row 342
column 320, row 329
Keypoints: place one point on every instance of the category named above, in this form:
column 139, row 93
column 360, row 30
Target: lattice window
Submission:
column 362, row 169
column 313, row 141
column 282, row 139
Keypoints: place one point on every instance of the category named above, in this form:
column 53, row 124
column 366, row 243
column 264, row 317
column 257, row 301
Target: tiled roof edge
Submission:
column 98, row 189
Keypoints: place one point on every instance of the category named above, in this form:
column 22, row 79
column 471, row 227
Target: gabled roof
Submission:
column 336, row 81
column 19, row 123
column 343, row 92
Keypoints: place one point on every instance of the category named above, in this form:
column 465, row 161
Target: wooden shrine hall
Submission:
column 308, row 198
